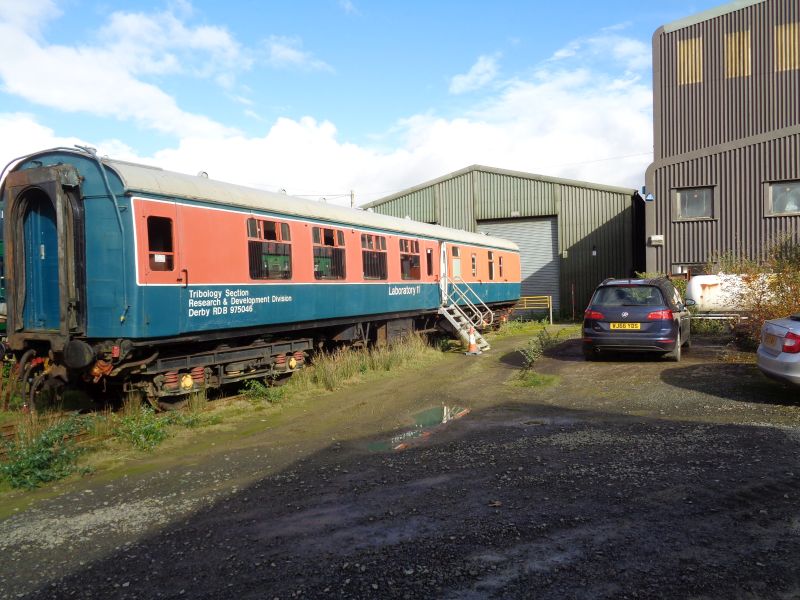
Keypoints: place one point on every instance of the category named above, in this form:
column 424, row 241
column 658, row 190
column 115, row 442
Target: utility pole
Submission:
column 352, row 199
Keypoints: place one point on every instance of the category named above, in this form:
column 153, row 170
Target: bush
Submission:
column 771, row 288
column 42, row 452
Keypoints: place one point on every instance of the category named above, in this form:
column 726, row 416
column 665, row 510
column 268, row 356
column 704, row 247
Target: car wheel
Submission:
column 688, row 342
column 675, row 355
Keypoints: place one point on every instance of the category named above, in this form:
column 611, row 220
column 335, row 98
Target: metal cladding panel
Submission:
column 454, row 202
column 740, row 178
column 593, row 220
column 419, row 205
column 736, row 87
column 538, row 252
column 500, row 196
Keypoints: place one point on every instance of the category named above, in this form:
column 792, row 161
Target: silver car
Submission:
column 779, row 350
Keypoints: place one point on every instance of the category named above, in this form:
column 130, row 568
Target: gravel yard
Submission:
column 627, row 477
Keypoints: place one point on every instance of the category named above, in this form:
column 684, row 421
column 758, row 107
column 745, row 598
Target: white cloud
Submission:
column 584, row 116
column 106, row 79
column 29, row 15
column 348, row 7
column 161, row 43
column 627, row 52
column 287, row 52
column 480, row 74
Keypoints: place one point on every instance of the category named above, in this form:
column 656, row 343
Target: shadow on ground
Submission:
column 736, row 381
column 516, row 501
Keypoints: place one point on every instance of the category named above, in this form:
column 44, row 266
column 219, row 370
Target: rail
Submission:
column 536, row 303
column 482, row 315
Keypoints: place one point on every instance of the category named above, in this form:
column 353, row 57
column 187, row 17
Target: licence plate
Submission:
column 772, row 342
column 626, row 325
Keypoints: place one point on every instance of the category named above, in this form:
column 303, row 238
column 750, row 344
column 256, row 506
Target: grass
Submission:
column 332, row 370
column 532, row 379
column 45, row 449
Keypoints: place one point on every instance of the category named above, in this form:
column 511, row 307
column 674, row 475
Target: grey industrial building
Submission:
column 571, row 234
column 726, row 170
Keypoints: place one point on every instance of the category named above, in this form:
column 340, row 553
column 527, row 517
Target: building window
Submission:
column 787, row 47
column 269, row 249
column 784, row 198
column 737, row 54
column 409, row 259
column 373, row 256
column 695, row 203
column 474, row 265
column 690, row 61
column 491, row 265
column 329, row 257
column 159, row 244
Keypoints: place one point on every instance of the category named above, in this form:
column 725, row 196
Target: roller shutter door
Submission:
column 538, row 248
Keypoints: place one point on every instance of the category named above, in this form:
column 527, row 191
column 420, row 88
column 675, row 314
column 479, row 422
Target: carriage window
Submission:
column 455, row 252
column 329, row 257
column 409, row 259
column 373, row 255
column 474, row 265
column 491, row 265
column 429, row 257
column 500, row 265
column 269, row 250
column 159, row 242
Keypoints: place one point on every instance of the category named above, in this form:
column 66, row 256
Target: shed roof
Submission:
column 495, row 170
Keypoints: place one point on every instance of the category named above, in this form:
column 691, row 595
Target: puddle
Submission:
column 425, row 423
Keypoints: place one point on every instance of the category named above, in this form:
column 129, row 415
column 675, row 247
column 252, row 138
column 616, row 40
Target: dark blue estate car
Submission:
column 640, row 315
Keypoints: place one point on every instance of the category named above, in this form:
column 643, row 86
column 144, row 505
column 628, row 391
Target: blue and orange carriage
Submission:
column 129, row 275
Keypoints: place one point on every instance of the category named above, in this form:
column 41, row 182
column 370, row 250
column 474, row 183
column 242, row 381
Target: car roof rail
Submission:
column 606, row 280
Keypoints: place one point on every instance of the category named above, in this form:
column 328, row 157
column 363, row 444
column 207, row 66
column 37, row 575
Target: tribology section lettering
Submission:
column 230, row 301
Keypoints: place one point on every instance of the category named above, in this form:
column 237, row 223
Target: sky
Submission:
column 321, row 98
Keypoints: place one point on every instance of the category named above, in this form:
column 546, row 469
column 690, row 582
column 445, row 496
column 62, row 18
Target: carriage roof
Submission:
column 153, row 180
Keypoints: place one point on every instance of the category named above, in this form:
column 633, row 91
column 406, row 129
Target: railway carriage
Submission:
column 126, row 275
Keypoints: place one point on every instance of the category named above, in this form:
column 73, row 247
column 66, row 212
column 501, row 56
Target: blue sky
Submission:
column 323, row 97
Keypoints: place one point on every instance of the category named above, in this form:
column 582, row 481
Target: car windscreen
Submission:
column 631, row 295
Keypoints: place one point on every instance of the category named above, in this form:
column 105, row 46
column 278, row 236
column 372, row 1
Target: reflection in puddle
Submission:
column 425, row 423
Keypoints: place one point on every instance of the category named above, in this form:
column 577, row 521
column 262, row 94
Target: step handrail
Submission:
column 485, row 316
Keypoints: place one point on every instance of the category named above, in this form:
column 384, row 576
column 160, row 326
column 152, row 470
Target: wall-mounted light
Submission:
column 594, row 250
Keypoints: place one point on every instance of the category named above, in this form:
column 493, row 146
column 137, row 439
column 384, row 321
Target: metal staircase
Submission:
column 464, row 310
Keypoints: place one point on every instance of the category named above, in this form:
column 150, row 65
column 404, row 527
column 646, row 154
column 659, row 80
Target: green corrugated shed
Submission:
column 589, row 217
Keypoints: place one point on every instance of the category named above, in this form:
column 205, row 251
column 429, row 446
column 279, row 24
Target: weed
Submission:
column 531, row 352
column 43, row 451
column 543, row 341
column 256, row 391
column 139, row 426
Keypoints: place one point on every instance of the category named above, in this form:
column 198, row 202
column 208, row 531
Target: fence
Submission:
column 536, row 303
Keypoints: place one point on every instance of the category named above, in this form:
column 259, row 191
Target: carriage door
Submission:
column 443, row 274
column 40, row 233
column 160, row 266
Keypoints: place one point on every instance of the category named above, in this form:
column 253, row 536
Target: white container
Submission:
column 716, row 293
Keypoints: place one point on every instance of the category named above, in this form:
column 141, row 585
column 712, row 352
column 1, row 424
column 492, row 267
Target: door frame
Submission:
column 443, row 273
column 61, row 184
